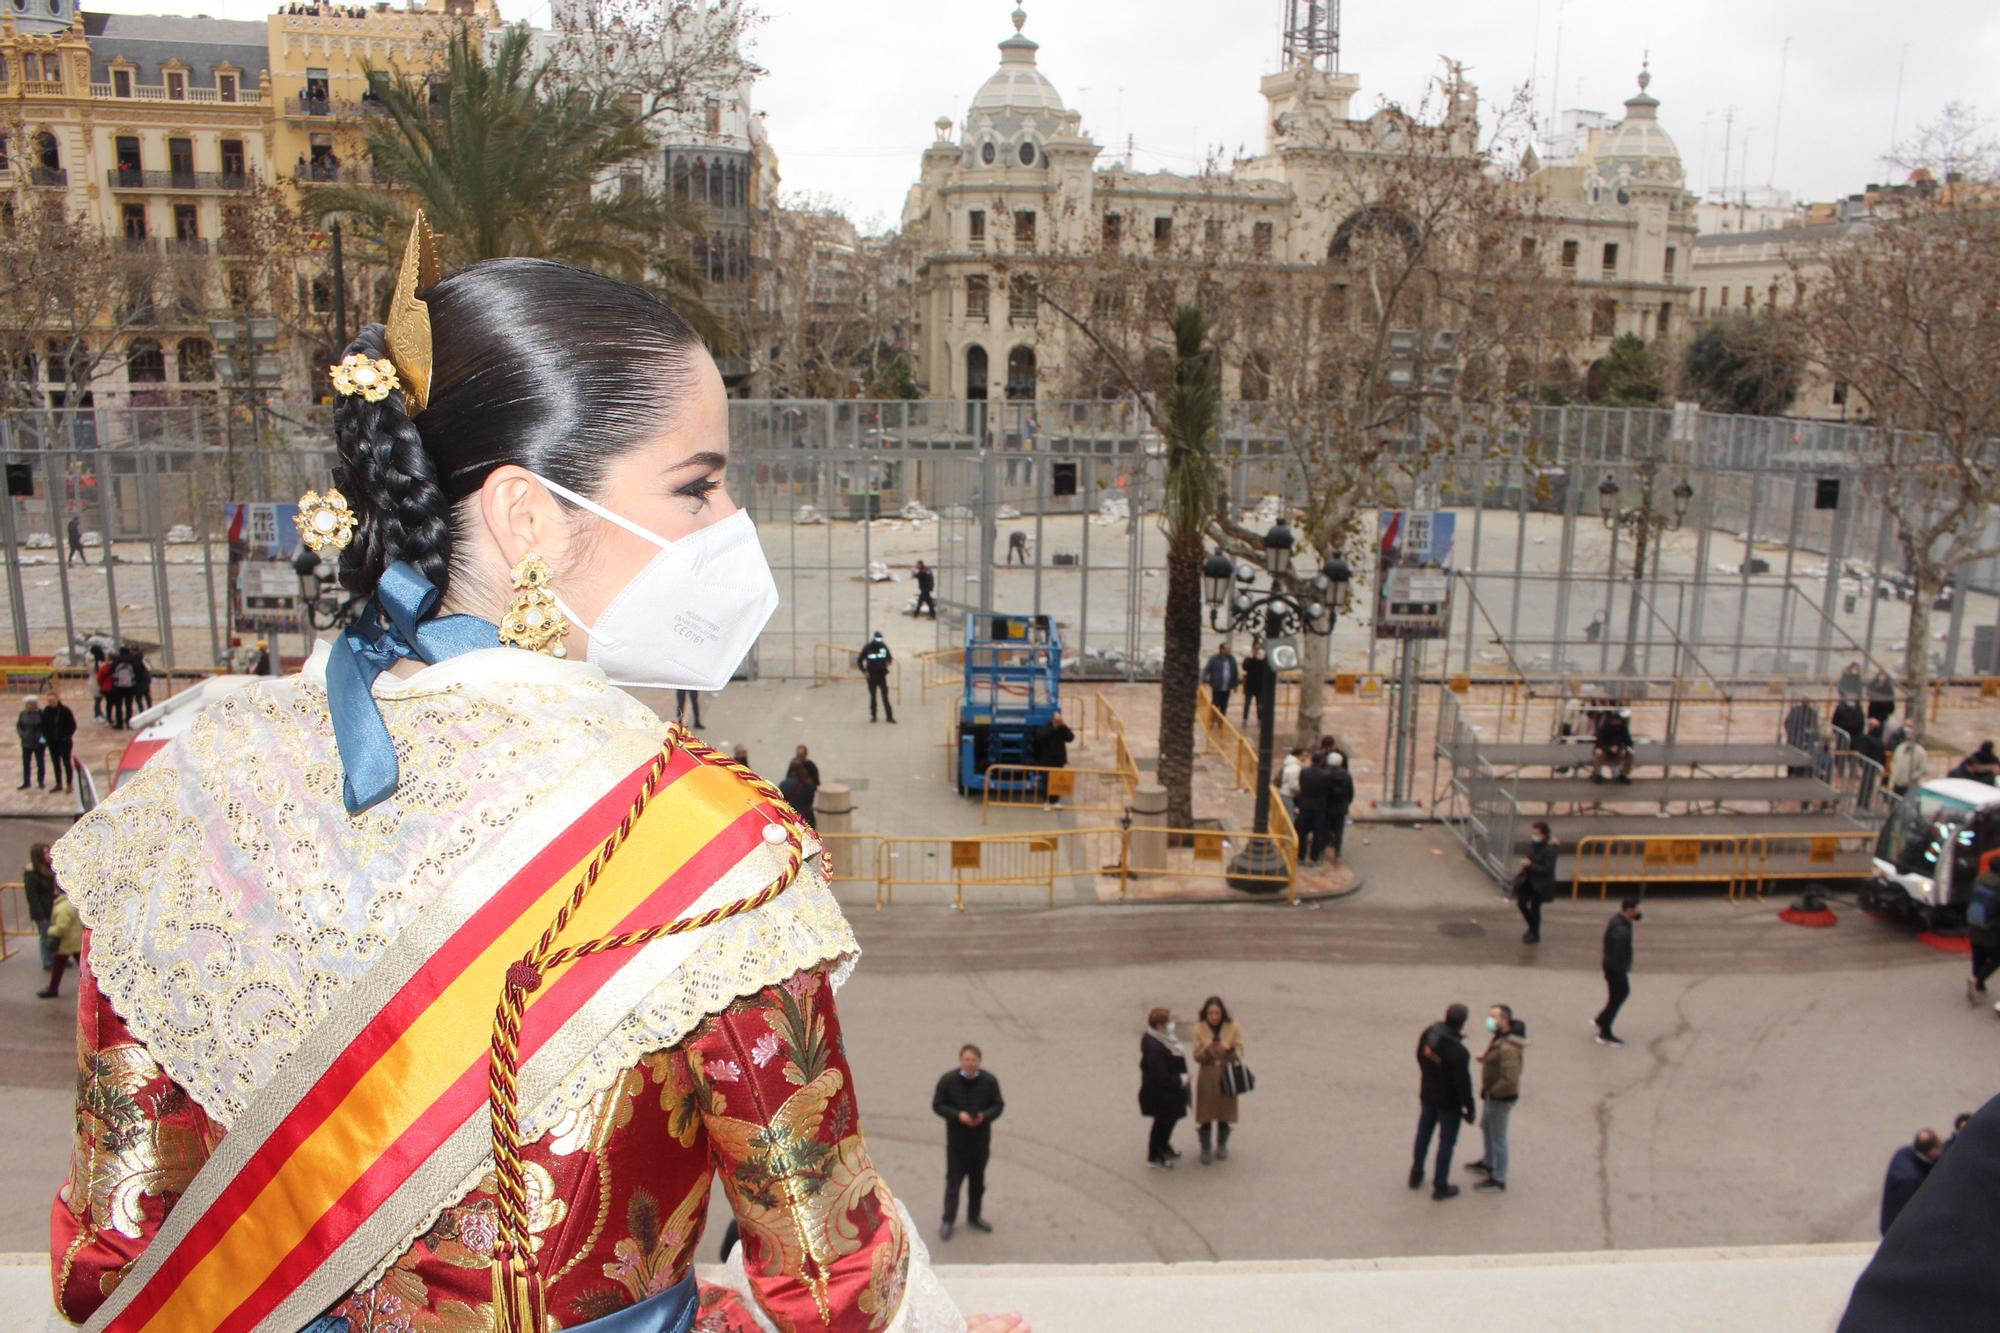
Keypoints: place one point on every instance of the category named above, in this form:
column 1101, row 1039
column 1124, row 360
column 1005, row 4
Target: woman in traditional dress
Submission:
column 431, row 988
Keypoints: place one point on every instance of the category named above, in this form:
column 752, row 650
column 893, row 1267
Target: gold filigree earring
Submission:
column 533, row 620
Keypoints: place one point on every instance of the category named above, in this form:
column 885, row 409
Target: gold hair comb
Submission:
column 409, row 322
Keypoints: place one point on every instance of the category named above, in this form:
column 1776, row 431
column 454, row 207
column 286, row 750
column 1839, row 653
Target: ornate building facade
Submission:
column 1019, row 175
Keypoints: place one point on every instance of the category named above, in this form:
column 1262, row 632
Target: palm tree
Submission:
column 1188, row 408
column 506, row 158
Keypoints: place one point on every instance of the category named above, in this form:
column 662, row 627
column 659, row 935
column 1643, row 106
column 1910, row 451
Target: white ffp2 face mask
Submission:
column 688, row 619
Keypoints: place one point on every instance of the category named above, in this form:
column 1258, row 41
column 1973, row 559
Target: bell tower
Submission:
column 1312, row 35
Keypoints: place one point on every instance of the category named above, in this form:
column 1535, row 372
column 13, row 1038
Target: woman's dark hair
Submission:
column 534, row 363
column 1215, row 1000
column 38, row 856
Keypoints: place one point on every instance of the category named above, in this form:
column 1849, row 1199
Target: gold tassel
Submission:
column 518, row 1300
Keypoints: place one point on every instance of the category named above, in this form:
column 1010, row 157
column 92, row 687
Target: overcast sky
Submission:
column 852, row 88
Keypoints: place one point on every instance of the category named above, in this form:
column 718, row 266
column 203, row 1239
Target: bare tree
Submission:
column 1905, row 310
column 665, row 59
column 834, row 326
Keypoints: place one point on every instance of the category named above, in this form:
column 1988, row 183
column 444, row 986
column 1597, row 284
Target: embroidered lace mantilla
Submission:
column 232, row 901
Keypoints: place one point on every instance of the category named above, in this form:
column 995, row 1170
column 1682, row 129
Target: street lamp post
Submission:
column 246, row 358
column 1277, row 617
column 1646, row 522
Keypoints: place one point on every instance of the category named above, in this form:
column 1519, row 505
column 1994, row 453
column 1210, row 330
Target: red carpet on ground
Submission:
column 1824, row 917
column 1945, row 943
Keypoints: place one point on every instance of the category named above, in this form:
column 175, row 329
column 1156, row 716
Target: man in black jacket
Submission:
column 926, row 590
column 1221, row 676
column 1617, row 968
column 1256, row 668
column 59, row 730
column 1445, row 1092
column 1315, row 803
column 1536, row 882
column 1051, row 742
column 968, row 1101
column 1339, row 799
column 874, row 660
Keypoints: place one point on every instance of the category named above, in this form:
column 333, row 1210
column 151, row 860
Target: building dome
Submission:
column 1017, row 85
column 1640, row 149
column 41, row 18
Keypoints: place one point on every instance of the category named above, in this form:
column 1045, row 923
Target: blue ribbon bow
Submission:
column 396, row 625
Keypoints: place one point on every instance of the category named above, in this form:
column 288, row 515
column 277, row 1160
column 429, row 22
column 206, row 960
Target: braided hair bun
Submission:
column 536, row 364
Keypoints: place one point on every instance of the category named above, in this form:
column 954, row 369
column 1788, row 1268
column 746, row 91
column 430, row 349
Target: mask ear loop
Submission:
column 607, row 515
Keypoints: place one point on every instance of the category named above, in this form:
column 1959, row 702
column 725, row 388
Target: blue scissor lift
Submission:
column 1013, row 678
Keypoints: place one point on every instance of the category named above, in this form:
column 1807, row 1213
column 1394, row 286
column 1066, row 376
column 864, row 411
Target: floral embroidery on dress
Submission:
column 766, row 1049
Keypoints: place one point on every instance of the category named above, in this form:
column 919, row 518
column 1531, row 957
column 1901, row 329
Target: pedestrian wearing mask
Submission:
column 1218, row 1044
column 34, row 746
column 1499, row 1088
column 1163, row 1086
column 59, row 734
column 1617, row 969
column 1535, row 882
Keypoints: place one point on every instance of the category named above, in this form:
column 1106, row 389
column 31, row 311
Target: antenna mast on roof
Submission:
column 1312, row 35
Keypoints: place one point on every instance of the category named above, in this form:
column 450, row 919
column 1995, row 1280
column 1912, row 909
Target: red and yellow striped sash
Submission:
column 418, row 1069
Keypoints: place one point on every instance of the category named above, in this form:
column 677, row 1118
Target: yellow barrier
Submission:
column 1770, row 857
column 14, row 921
column 1644, row 859
column 920, row 862
column 1226, row 741
column 939, row 669
column 1029, row 787
column 833, row 664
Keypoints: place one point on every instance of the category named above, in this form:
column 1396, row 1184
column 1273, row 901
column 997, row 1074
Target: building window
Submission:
column 1672, row 254
column 1723, row 304
column 1260, row 239
column 145, row 363
column 232, row 159
column 1024, row 231
column 1022, row 303
column 4, row 162
column 1027, row 154
column 317, row 94
column 1771, row 298
column 134, row 218
column 195, row 360
column 322, row 294
column 1666, row 317
column 1114, row 230
column 121, row 83
column 976, row 292
column 1701, row 302
column 975, row 372
column 711, row 116
column 1603, row 319
column 187, row 226
column 1570, row 249
column 1107, row 301
column 975, row 225
column 1021, row 373
column 987, row 152
column 238, row 285
column 1610, row 259
column 1840, row 393
column 1527, row 249
column 177, row 86
column 225, row 87
column 1163, row 232
column 180, row 161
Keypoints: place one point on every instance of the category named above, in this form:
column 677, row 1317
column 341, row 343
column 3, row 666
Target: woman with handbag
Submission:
column 1163, row 1080
column 1218, row 1049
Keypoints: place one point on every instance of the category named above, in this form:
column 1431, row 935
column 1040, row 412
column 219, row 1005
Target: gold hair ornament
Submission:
column 371, row 377
column 408, row 328
column 533, row 620
column 325, row 520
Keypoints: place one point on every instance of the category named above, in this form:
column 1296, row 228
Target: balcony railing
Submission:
column 334, row 106
column 128, row 178
column 54, row 178
column 42, row 87
column 153, row 92
column 315, row 173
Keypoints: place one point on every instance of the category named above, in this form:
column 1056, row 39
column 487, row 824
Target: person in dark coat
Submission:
column 38, row 884
column 1934, row 1269
column 1256, row 669
column 76, row 540
column 799, row 791
column 1535, row 882
column 1315, row 803
column 1848, row 718
column 1444, row 1091
column 1849, row 688
column 874, row 660
column 1881, row 697
column 1613, row 746
column 59, row 735
column 1221, row 676
column 926, row 590
column 1163, row 1086
column 1979, row 766
column 1339, row 799
column 1908, row 1170
column 1870, row 745
column 968, row 1101
column 1051, row 742
column 260, row 665
column 1617, row 968
column 801, row 760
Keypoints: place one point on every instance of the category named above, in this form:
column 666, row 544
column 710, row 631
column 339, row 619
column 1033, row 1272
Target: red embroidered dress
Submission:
column 753, row 1089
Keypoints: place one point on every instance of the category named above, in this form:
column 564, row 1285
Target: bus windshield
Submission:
column 1914, row 838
